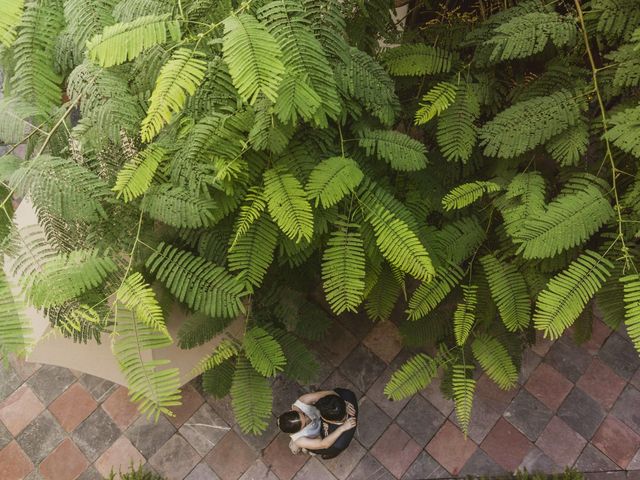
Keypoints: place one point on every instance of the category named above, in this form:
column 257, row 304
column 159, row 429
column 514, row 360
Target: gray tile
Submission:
column 202, row 472
column 50, row 381
column 627, row 408
column 223, row 407
column 425, row 467
column 420, row 419
column 357, row 323
column 259, row 442
column 481, row 464
column 370, row 469
column 41, row 437
column 568, row 358
column 528, row 415
column 618, row 353
column 605, row 476
column 9, row 381
column 175, row 459
column 342, row 465
column 593, row 460
column 90, row 474
column 362, row 367
column 313, row 470
column 372, row 422
column 537, row 461
column 204, row 429
column 99, row 388
column 376, row 393
column 95, row 434
column 483, row 417
column 34, row 475
column 149, row 436
column 5, row 436
column 258, row 471
column 530, row 360
column 285, row 392
column 582, row 413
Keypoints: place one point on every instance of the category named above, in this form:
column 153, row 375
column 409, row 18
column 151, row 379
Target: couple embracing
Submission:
column 321, row 423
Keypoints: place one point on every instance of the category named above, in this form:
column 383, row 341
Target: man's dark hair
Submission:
column 332, row 408
column 289, row 422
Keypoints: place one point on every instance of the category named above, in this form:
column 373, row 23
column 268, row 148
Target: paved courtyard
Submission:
column 576, row 406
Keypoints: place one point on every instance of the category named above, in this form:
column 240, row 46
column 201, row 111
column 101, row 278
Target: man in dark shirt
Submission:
column 336, row 407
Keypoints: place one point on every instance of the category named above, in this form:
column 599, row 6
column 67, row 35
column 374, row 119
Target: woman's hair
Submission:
column 332, row 408
column 289, row 422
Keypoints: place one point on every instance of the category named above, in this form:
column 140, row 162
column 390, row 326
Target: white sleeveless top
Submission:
column 312, row 429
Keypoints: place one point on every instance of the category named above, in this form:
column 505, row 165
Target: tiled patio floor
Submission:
column 576, row 406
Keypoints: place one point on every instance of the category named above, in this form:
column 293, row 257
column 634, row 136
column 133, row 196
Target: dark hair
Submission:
column 332, row 408
column 289, row 422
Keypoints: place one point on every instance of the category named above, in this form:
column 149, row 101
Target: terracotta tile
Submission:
column 599, row 334
column 19, row 409
column 279, row 458
column 14, row 463
column 23, row 368
column 66, row 462
column 384, row 340
column 562, row 444
column 506, row 445
column 488, row 390
column 450, row 448
column 396, row 450
column 342, row 465
column 120, row 408
column 601, row 383
column 119, row 457
column 617, row 441
column 230, row 457
column 548, row 386
column 258, row 471
column 370, row 469
column 530, row 360
column 376, row 394
column 191, row 401
column 73, row 406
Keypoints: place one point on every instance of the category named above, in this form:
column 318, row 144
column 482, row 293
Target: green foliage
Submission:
column 413, row 376
column 12, row 11
column 464, row 317
column 343, row 268
column 251, row 397
column 264, row 352
column 137, row 296
column 418, row 59
column 530, row 123
column 253, row 57
column 624, row 133
column 495, row 360
column 136, row 175
column 463, row 389
column 457, row 132
column 430, row 293
column 436, row 101
column 568, row 147
column 567, row 293
column 204, row 286
column 397, row 149
column 179, row 77
column 632, row 307
column 529, row 34
column 467, row 193
column 15, row 331
column 218, row 380
column 509, row 292
column 332, row 179
column 123, row 42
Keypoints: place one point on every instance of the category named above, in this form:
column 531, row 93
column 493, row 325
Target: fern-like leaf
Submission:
column 464, row 317
column 463, row 390
column 253, row 57
column 178, row 78
column 152, row 386
column 11, row 13
column 122, row 42
column 332, row 179
column 413, row 376
column 383, row 295
column 495, row 361
column 251, row 398
column 467, row 193
column 288, row 204
column 509, row 291
column 264, row 352
column 530, row 123
column 343, row 268
column 218, row 380
column 225, row 350
column 429, row 294
column 568, row 147
column 136, row 175
column 137, row 296
column 567, row 293
column 301, row 365
column 15, row 331
column 178, row 207
column 632, row 307
column 201, row 284
column 417, row 60
column 400, row 151
column 457, row 132
column 624, row 132
column 436, row 101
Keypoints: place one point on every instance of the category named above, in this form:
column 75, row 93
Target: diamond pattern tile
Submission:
column 581, row 413
column 548, row 385
column 528, row 415
column 561, row 443
column 617, row 441
column 204, row 429
column 119, row 457
column 450, row 448
column 503, row 433
column 73, row 406
column 120, row 408
column 41, row 437
column 384, row 340
column 19, row 409
column 176, row 458
column 396, row 450
column 601, row 383
column 362, row 367
column 278, row 458
column 231, row 457
column 66, row 462
column 14, row 463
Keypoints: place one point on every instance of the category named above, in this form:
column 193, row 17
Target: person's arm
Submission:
column 311, row 398
column 326, row 442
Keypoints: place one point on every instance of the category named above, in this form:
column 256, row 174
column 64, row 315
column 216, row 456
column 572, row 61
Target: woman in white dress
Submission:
column 303, row 424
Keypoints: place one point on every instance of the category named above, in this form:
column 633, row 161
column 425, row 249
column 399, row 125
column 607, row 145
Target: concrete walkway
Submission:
column 576, row 406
